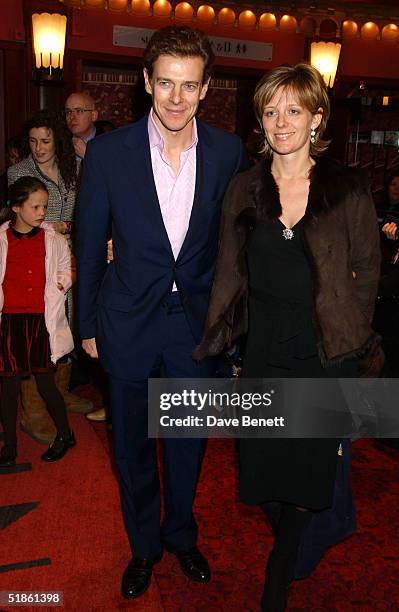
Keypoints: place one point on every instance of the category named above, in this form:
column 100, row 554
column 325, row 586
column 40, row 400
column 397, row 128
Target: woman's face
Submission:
column 287, row 124
column 393, row 189
column 42, row 145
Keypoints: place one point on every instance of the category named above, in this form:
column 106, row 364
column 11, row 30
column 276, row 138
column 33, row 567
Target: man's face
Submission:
column 80, row 115
column 176, row 88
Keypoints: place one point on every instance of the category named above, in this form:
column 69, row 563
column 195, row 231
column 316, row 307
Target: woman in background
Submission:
column 389, row 216
column 50, row 157
column 386, row 317
column 299, row 246
column 390, row 203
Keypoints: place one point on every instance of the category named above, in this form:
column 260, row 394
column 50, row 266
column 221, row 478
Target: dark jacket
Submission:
column 341, row 240
column 120, row 303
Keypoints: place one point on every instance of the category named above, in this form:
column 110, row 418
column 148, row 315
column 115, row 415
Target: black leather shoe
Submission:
column 137, row 576
column 59, row 447
column 8, row 456
column 193, row 564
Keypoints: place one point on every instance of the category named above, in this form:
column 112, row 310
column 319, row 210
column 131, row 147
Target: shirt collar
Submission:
column 155, row 136
column 92, row 135
column 19, row 235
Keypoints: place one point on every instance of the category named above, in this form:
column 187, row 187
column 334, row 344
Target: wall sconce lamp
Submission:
column 49, row 44
column 324, row 56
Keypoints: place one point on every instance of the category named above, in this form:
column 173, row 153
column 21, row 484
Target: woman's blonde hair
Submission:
column 307, row 85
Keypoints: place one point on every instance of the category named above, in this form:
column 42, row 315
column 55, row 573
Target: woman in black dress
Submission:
column 298, row 261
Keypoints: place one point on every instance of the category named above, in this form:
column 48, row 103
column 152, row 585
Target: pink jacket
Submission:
column 58, row 270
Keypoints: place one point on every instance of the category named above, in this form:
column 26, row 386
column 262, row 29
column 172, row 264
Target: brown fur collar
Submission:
column 330, row 183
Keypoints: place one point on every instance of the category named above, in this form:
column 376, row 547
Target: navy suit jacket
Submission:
column 119, row 302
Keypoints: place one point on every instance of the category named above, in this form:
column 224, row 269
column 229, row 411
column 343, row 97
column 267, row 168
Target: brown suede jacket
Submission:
column 341, row 240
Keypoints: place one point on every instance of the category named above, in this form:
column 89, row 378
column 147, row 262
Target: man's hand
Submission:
column 79, row 146
column 89, row 345
column 390, row 230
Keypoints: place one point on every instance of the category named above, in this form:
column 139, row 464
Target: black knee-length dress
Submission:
column 282, row 343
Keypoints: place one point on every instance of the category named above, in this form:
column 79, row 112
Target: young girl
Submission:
column 35, row 273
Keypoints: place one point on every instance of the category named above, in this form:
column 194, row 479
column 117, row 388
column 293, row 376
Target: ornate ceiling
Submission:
column 378, row 6
column 382, row 9
column 379, row 11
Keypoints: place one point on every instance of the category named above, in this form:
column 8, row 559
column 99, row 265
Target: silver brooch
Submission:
column 288, row 233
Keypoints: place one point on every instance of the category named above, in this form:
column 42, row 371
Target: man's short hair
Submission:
column 180, row 41
column 89, row 100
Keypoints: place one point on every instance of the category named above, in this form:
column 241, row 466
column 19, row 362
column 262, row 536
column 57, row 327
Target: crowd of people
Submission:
column 298, row 255
column 51, row 149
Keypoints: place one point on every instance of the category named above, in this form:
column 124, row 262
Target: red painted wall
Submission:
column 90, row 37
column 11, row 20
column 90, row 30
column 369, row 58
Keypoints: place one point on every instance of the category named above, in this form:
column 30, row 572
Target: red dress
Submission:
column 24, row 340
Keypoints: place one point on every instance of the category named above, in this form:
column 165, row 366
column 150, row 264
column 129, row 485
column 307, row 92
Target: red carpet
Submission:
column 361, row 573
column 79, row 526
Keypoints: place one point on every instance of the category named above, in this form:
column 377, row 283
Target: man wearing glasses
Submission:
column 81, row 113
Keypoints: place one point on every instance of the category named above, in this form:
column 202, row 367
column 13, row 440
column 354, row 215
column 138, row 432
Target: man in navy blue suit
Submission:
column 157, row 186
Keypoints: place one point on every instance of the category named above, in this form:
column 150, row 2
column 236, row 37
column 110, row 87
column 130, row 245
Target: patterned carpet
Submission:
column 361, row 573
column 78, row 526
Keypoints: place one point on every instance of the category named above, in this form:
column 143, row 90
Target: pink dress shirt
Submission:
column 175, row 191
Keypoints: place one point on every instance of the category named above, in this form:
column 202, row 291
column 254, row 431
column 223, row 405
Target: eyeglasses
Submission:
column 77, row 111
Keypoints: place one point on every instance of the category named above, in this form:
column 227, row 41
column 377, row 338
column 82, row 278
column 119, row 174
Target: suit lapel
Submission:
column 139, row 169
column 138, row 156
column 203, row 179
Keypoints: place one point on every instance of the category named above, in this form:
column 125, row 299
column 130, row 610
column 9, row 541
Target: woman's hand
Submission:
column 60, row 287
column 390, row 230
column 62, row 227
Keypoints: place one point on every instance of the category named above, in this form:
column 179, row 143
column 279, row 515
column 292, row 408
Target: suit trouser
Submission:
column 136, row 454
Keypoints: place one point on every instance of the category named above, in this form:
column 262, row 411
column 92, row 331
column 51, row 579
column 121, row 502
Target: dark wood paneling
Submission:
column 15, row 87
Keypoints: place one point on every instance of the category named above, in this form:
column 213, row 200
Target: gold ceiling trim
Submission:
column 306, row 18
